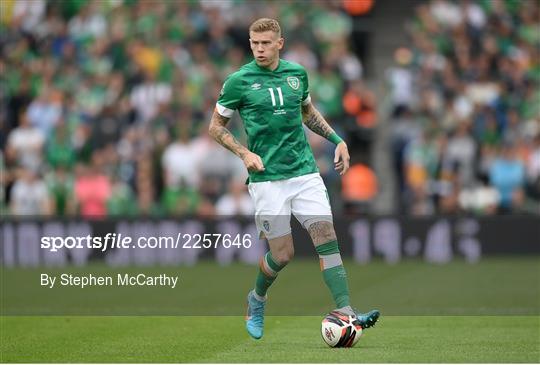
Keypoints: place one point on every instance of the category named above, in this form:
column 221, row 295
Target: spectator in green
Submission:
column 60, row 185
column 59, row 150
column 180, row 200
column 121, row 202
column 327, row 88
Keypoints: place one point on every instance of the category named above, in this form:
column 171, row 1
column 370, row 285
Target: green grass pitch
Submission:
column 489, row 312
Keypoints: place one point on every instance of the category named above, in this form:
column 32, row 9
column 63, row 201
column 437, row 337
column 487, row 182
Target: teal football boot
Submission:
column 368, row 319
column 255, row 316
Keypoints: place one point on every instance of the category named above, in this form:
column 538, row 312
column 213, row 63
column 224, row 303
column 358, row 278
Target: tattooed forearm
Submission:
column 315, row 121
column 223, row 136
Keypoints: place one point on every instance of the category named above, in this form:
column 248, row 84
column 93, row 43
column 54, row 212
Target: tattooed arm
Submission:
column 316, row 122
column 224, row 137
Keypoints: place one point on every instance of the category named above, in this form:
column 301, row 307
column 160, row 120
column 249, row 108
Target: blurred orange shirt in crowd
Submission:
column 361, row 105
column 417, row 175
column 359, row 184
column 149, row 59
column 358, row 7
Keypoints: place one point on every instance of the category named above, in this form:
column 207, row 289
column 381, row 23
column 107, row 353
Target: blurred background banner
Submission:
column 403, row 265
column 390, row 239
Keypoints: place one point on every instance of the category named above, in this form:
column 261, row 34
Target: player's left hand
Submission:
column 341, row 159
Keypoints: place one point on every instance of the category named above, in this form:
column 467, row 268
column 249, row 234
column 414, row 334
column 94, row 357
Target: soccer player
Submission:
column 272, row 97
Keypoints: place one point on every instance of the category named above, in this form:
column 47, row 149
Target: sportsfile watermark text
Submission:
column 120, row 241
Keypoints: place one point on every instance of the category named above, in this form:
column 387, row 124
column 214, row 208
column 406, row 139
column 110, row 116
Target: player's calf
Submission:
column 270, row 265
column 334, row 274
column 269, row 268
column 324, row 238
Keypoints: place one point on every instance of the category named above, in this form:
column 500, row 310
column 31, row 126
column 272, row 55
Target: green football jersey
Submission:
column 270, row 105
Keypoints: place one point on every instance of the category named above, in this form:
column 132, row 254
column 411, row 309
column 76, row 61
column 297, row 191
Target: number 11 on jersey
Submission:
column 274, row 98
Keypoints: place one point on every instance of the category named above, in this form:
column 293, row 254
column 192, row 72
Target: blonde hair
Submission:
column 265, row 25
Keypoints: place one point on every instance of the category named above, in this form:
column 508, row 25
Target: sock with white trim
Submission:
column 334, row 273
column 268, row 270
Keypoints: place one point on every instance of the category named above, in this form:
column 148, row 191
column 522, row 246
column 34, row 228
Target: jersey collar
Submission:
column 267, row 70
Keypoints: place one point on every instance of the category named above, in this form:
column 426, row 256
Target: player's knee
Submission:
column 283, row 257
column 322, row 232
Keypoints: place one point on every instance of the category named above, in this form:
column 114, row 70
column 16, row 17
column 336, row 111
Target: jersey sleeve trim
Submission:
column 307, row 100
column 223, row 111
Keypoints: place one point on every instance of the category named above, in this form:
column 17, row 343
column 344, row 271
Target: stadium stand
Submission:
column 465, row 106
column 107, row 102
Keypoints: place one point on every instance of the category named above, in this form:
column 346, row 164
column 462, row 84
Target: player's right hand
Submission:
column 253, row 162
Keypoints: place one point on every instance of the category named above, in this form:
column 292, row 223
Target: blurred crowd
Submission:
column 105, row 104
column 465, row 102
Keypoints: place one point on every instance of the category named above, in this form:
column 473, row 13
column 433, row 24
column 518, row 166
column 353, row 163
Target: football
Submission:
column 340, row 330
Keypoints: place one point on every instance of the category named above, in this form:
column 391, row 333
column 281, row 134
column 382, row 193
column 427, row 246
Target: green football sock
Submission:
column 268, row 270
column 334, row 273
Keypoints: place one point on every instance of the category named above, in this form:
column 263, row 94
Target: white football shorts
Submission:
column 304, row 196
